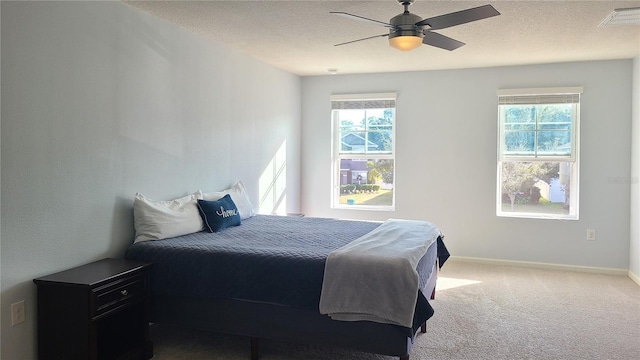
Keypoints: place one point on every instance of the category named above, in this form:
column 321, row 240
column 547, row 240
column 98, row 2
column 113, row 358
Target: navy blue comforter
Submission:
column 272, row 259
column 275, row 259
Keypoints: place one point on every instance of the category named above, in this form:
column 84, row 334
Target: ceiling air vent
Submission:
column 620, row 17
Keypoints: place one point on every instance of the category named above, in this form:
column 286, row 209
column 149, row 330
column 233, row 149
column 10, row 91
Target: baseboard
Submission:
column 634, row 277
column 547, row 266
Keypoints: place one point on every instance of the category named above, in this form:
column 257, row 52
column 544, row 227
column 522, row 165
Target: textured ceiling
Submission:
column 299, row 36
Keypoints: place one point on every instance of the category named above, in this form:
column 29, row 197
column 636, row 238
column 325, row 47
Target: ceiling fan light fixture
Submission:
column 405, row 43
column 404, row 35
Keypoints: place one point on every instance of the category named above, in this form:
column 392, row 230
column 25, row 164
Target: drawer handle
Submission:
column 124, row 292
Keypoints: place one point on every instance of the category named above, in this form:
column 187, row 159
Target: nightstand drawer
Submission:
column 119, row 294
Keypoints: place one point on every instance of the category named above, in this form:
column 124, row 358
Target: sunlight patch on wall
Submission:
column 273, row 184
column 451, row 283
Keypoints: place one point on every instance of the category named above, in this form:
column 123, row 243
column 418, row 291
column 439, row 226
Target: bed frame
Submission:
column 190, row 294
column 258, row 320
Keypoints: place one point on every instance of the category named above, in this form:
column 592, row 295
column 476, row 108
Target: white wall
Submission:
column 446, row 159
column 101, row 100
column 634, row 249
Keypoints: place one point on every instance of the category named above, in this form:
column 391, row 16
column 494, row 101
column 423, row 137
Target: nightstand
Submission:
column 98, row 311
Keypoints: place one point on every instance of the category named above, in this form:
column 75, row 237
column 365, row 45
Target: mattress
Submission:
column 268, row 259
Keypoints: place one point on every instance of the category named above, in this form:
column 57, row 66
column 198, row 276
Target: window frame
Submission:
column 540, row 97
column 337, row 154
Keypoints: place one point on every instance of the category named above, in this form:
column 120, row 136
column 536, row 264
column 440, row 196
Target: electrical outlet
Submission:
column 591, row 234
column 17, row 313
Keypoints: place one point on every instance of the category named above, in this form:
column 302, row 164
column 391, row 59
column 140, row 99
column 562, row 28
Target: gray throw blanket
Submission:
column 374, row 277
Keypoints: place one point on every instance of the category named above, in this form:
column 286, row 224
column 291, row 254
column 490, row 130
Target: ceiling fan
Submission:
column 408, row 31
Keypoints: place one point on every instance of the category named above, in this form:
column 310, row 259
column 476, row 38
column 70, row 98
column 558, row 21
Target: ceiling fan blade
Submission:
column 441, row 41
column 459, row 17
column 361, row 18
column 367, row 38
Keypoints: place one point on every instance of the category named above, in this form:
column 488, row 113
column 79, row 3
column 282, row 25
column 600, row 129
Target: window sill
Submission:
column 537, row 216
column 364, row 207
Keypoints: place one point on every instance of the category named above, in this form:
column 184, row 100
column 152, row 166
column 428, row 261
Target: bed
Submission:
column 264, row 279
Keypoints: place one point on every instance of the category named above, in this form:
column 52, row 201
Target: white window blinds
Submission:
column 567, row 95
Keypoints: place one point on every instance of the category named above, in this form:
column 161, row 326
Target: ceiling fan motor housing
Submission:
column 405, row 25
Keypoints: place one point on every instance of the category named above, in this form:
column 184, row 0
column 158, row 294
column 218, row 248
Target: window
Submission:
column 363, row 131
column 538, row 149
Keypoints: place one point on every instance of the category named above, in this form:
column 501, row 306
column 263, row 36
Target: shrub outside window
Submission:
column 363, row 129
column 538, row 153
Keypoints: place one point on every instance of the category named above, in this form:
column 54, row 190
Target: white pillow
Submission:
column 239, row 197
column 155, row 220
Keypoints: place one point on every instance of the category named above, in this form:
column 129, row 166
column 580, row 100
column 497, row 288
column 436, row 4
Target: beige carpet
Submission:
column 481, row 312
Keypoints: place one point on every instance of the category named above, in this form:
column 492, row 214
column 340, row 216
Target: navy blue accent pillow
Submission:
column 219, row 214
